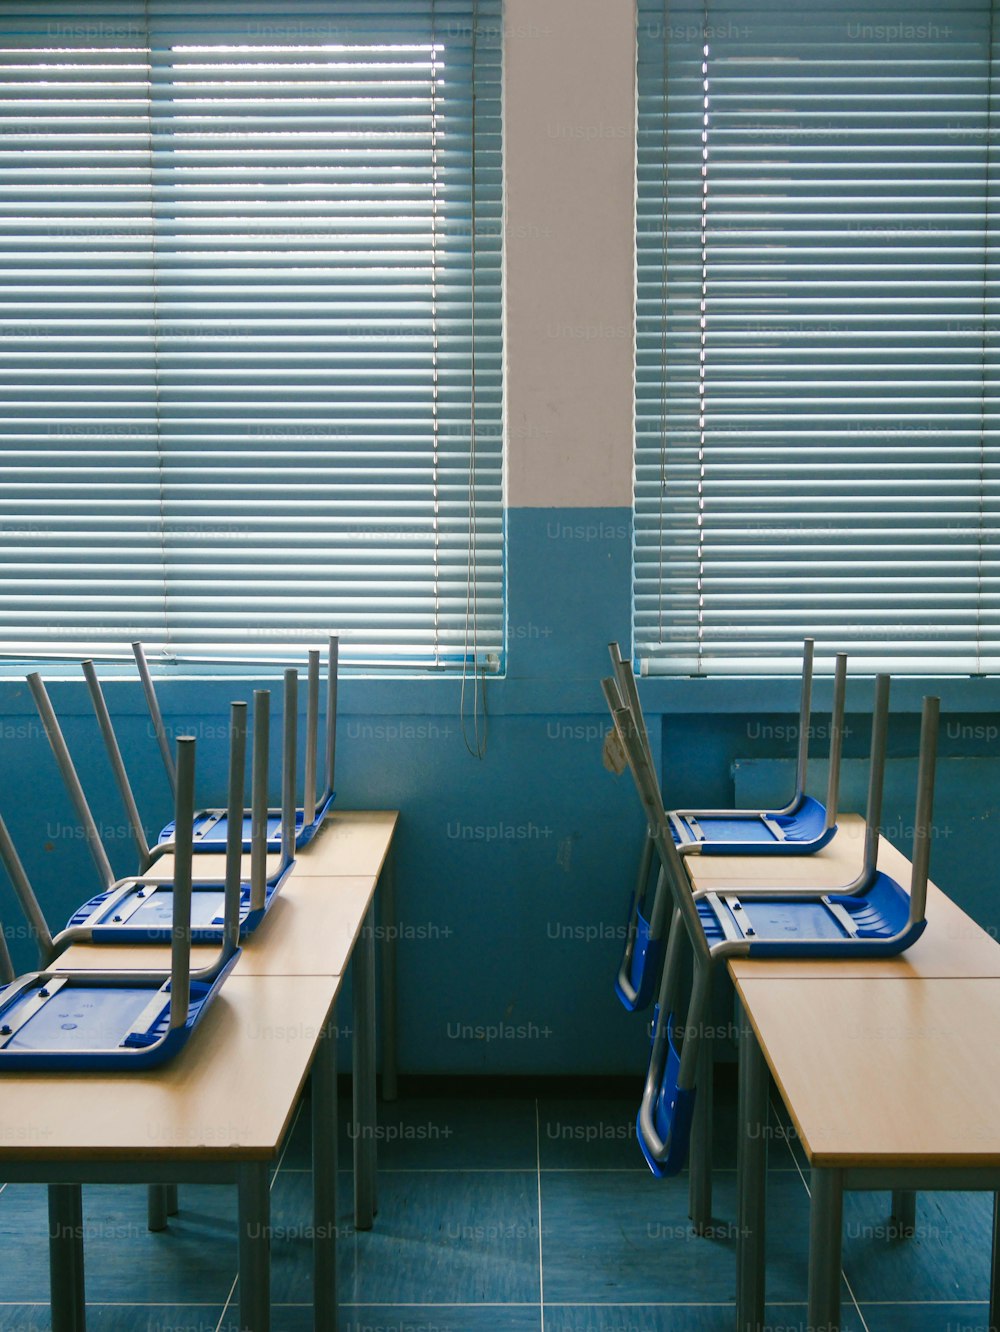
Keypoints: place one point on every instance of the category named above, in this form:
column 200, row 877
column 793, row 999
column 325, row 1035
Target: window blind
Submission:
column 250, row 328
column 816, row 381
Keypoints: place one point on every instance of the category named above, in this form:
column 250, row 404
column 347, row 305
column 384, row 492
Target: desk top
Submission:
column 313, row 922
column 309, row 930
column 877, row 1073
column 351, row 842
column 951, row 945
column 834, row 865
column 229, row 1095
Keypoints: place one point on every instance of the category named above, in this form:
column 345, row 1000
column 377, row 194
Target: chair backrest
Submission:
column 644, row 775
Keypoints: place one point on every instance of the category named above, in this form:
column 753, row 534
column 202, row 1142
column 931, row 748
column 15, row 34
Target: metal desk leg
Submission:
column 904, row 1212
column 751, row 1186
column 324, row 1161
column 67, row 1293
column 994, row 1318
column 826, row 1219
column 390, row 927
column 255, row 1247
column 364, row 1075
column 700, row 1183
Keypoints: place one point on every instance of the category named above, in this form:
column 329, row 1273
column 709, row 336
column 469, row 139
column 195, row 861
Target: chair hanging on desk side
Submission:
column 120, row 1020
column 210, row 824
column 877, row 920
column 642, row 955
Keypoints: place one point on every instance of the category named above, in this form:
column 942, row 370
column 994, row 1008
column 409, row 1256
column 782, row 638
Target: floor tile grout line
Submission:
column 538, row 1163
column 225, row 1307
column 854, row 1300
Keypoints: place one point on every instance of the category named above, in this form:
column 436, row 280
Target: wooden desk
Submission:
column 322, row 917
column 951, row 945
column 216, row 1114
column 890, row 1085
column 313, row 928
column 352, row 842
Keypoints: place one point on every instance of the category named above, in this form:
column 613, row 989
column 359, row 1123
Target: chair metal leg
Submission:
column 700, row 1165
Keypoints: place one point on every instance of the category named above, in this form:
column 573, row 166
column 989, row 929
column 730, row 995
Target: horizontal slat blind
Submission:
column 237, row 345
column 816, row 437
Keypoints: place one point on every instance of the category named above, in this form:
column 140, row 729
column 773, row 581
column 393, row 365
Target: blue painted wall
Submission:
column 514, row 872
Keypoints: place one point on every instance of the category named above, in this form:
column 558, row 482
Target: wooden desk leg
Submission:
column 67, row 1292
column 751, row 1176
column 700, row 1182
column 254, row 1247
column 324, row 1162
column 390, row 928
column 904, row 1212
column 826, row 1220
column 364, row 1075
column 994, row 1318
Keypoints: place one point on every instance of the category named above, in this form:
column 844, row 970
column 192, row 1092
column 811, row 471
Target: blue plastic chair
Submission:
column 139, row 908
column 872, row 917
column 118, row 1020
column 642, row 955
column 211, row 832
column 799, row 828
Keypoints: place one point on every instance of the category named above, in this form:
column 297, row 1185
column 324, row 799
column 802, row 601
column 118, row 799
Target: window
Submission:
column 250, row 328
column 816, row 446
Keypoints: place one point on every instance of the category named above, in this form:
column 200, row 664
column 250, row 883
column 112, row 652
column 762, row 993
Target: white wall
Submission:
column 569, row 148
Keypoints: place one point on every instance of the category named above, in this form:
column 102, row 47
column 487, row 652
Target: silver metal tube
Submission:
column 649, row 793
column 876, row 774
column 117, row 763
column 70, row 779
column 805, row 712
column 625, row 679
column 365, row 1112
column 180, row 946
column 234, row 829
column 155, row 716
column 331, row 712
column 6, row 965
column 670, row 977
column 26, row 896
column 388, row 959
column 751, row 1167
column 694, row 1027
column 312, row 740
column 925, row 807
column 258, row 798
column 288, row 795
column 836, row 737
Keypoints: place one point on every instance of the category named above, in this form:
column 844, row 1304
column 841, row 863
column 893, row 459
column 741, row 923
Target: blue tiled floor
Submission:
column 506, row 1214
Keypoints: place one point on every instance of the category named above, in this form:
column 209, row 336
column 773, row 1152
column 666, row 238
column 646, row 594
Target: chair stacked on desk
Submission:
column 142, row 1017
column 872, row 916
